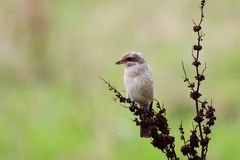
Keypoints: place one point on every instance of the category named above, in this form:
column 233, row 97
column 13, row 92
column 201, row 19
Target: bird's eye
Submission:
column 129, row 58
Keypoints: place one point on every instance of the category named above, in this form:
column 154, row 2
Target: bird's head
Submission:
column 131, row 58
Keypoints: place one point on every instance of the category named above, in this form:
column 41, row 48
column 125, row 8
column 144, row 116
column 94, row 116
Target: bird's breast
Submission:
column 138, row 88
column 132, row 86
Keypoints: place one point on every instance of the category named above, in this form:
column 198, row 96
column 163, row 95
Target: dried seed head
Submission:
column 198, row 118
column 195, row 95
column 200, row 77
column 194, row 139
column 196, row 28
column 206, row 130
column 197, row 47
column 196, row 63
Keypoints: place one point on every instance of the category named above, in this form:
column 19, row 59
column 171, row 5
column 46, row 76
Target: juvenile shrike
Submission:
column 138, row 82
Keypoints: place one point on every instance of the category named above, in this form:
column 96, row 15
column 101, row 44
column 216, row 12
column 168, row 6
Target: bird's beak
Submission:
column 119, row 62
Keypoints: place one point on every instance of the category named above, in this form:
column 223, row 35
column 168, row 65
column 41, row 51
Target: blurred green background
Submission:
column 54, row 107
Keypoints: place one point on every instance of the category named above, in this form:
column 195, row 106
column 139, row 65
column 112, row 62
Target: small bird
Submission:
column 138, row 82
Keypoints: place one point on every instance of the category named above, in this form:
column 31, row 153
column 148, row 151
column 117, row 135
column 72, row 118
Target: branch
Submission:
column 155, row 121
column 204, row 112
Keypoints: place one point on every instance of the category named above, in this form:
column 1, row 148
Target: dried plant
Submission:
column 156, row 121
column 205, row 117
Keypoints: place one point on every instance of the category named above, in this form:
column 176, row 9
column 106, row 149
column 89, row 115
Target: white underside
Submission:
column 138, row 84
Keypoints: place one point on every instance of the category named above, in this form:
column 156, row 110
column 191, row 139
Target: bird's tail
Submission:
column 145, row 132
column 145, row 126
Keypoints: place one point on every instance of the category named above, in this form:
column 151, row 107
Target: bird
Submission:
column 138, row 83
